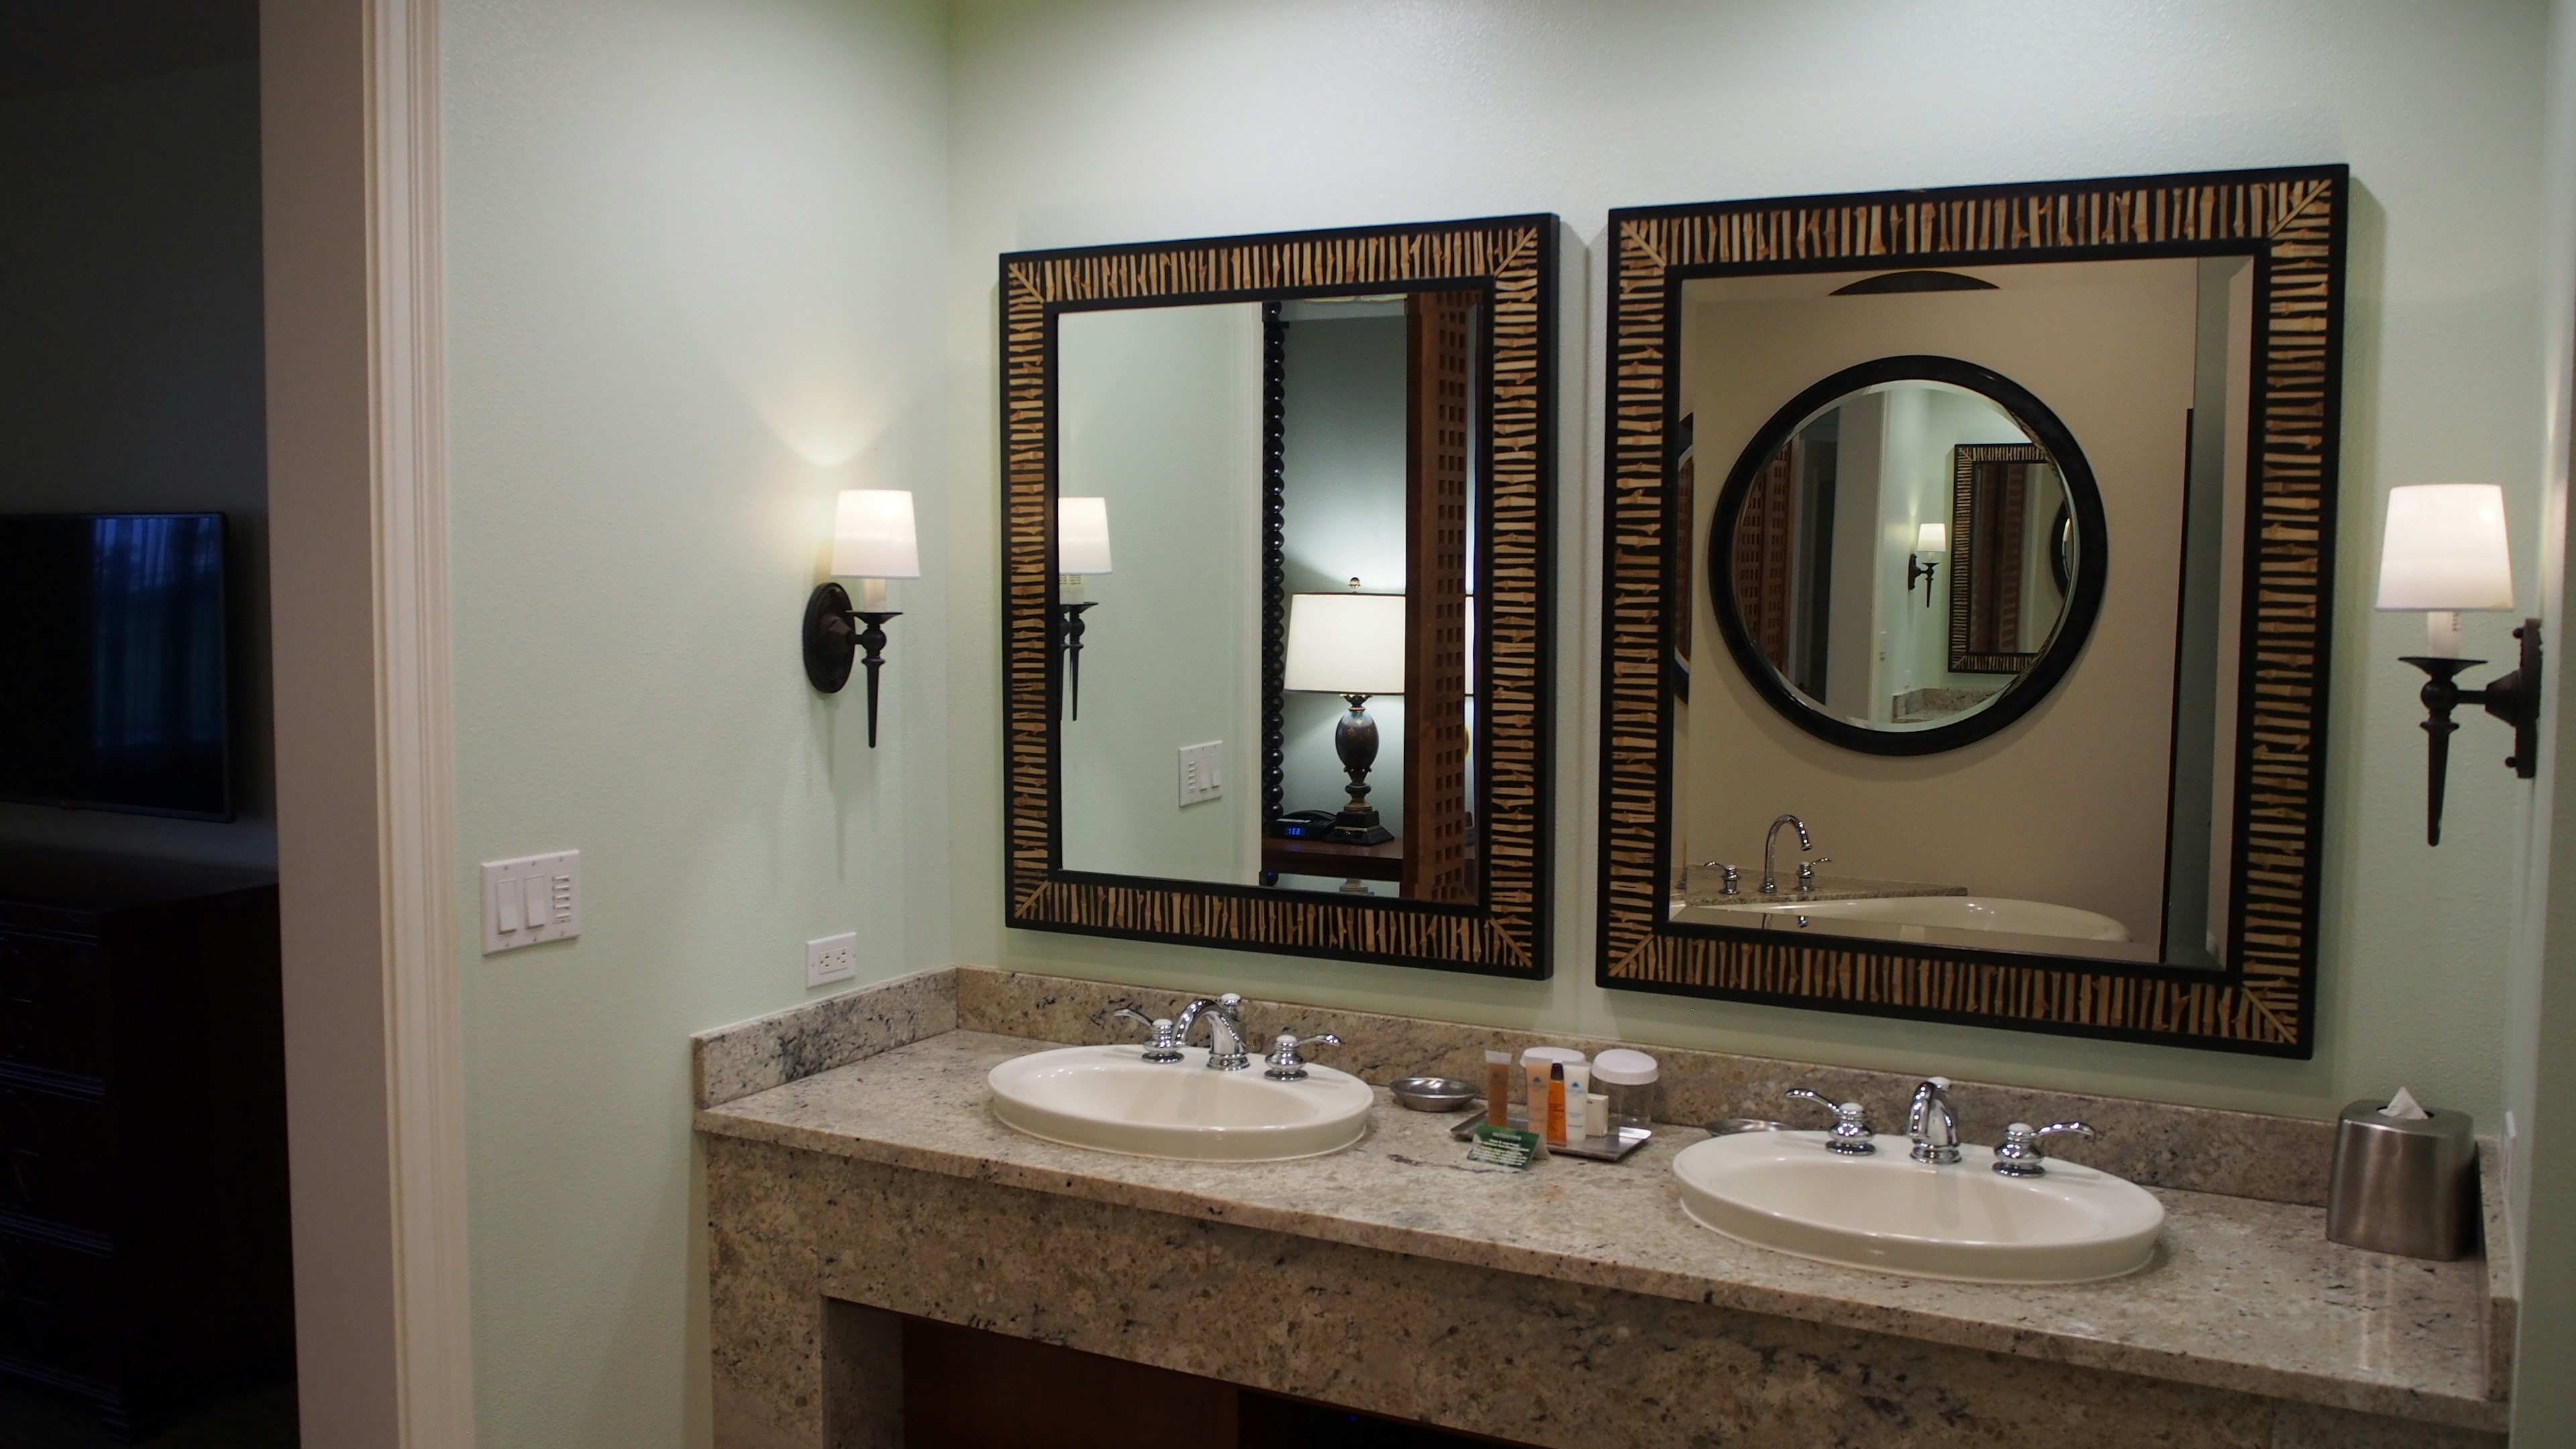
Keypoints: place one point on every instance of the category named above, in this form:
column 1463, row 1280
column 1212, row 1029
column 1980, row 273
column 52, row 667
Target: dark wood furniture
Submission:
column 1382, row 861
column 144, row 1257
column 967, row 1389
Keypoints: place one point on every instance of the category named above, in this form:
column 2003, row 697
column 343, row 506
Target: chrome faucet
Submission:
column 1931, row 1123
column 1770, row 876
column 1225, row 1031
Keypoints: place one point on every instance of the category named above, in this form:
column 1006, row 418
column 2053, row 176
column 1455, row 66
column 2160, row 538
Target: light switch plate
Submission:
column 1202, row 772
column 834, row 958
column 534, row 898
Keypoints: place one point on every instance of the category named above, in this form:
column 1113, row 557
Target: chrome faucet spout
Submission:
column 1226, row 1051
column 1931, row 1123
column 1770, row 841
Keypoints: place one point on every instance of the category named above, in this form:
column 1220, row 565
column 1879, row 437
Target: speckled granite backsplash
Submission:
column 2238, row 1154
column 2159, row 1144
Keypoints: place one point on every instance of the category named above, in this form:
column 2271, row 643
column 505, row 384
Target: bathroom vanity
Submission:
column 857, row 1179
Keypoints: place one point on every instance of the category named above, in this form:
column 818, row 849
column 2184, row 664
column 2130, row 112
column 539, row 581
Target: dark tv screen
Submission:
column 112, row 663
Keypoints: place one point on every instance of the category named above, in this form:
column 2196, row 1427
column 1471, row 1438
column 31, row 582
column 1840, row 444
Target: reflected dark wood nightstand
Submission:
column 1382, row 861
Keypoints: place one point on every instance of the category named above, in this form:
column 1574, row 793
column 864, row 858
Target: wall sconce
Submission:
column 1351, row 645
column 1934, row 539
column 2446, row 551
column 872, row 541
column 1081, row 547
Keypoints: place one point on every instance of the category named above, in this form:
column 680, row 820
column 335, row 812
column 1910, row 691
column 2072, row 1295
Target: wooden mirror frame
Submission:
column 1512, row 261
column 2292, row 223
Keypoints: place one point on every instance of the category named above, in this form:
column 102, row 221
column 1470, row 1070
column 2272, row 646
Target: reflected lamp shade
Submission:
column 2446, row 549
column 1345, row 643
column 872, row 535
column 1932, row 538
column 1082, row 535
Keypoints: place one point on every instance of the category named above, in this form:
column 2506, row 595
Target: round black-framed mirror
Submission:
column 2019, row 608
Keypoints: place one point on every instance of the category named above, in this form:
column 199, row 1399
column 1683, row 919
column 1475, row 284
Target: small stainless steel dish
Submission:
column 1729, row 1126
column 1434, row 1094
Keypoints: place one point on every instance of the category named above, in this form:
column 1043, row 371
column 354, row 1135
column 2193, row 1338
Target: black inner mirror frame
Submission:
column 2084, row 602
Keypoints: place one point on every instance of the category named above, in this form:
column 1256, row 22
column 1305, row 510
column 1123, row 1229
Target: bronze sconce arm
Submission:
column 2513, row 698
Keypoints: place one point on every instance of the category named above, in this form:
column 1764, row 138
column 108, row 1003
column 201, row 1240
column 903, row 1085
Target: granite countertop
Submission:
column 2244, row 1295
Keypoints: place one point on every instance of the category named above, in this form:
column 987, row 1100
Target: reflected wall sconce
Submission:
column 2446, row 551
column 1081, row 548
column 1351, row 645
column 872, row 541
column 1934, row 539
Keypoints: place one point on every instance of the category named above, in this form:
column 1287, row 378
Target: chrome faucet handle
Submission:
column 1851, row 1135
column 1730, row 882
column 1285, row 1063
column 2020, row 1155
column 1166, row 1046
column 1931, row 1123
column 1807, row 871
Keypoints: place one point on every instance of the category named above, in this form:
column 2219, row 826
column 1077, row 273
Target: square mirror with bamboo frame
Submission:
column 1970, row 563
column 1275, row 531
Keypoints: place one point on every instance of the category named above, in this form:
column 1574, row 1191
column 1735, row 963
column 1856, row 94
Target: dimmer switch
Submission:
column 534, row 898
column 1202, row 772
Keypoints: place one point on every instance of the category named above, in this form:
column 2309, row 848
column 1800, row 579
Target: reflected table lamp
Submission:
column 1351, row 645
column 1081, row 548
column 2446, row 551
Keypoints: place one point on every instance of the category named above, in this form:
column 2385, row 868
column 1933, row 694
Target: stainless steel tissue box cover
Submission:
column 2406, row 1187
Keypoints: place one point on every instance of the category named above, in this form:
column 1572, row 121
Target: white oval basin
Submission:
column 1960, row 913
column 1964, row 1220
column 1109, row 1098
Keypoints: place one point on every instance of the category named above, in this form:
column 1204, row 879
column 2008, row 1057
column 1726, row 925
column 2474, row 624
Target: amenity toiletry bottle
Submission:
column 1498, row 1088
column 1535, row 1061
column 1556, row 1104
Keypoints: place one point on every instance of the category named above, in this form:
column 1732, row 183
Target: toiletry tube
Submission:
column 1498, row 1088
column 1535, row 1061
column 1596, row 1115
column 1556, row 1104
column 1627, row 1078
column 1578, row 1085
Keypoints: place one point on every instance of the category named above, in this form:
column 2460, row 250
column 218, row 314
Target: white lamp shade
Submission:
column 872, row 536
column 1346, row 643
column 2446, row 548
column 1082, row 535
column 1932, row 538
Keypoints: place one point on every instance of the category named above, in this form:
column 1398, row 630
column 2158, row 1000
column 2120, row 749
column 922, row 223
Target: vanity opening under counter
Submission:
column 857, row 1182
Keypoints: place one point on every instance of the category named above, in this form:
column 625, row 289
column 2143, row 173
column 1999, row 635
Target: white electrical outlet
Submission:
column 1202, row 772
column 834, row 958
column 534, row 898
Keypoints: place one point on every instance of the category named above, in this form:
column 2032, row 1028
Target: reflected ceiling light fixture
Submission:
column 2446, row 551
column 1352, row 645
column 1934, row 539
column 1915, row 281
column 872, row 541
column 1081, row 548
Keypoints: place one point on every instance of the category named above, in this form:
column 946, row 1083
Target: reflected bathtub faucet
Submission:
column 1770, row 876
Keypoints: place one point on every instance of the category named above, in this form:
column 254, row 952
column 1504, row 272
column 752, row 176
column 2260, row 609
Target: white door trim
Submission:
column 368, row 888
column 415, row 734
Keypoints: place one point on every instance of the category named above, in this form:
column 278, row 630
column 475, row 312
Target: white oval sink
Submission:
column 1959, row 913
column 1109, row 1098
column 1963, row 1220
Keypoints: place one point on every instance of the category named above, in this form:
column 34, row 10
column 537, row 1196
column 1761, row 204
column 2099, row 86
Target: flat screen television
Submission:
column 112, row 673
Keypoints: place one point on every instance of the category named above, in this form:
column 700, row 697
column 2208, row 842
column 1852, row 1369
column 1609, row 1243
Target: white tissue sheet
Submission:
column 2404, row 1108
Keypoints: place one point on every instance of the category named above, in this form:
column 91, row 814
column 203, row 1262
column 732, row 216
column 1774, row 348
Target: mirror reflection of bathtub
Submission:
column 1991, row 923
